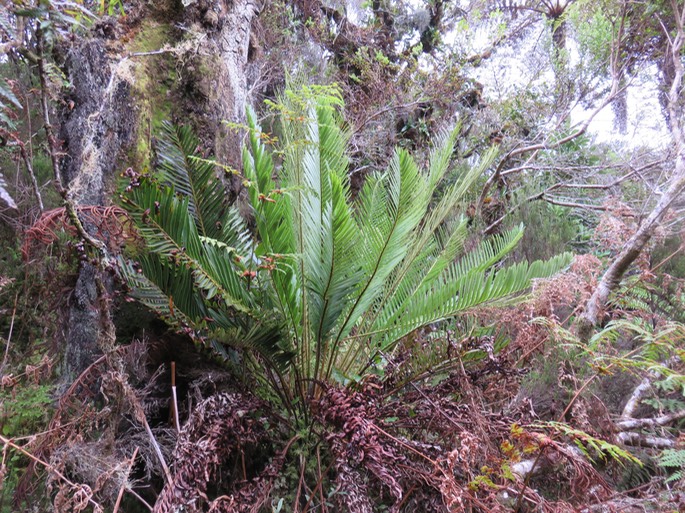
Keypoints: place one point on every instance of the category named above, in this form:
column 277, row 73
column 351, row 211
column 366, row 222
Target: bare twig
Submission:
column 53, row 148
column 545, row 144
column 580, row 129
column 663, row 420
column 140, row 499
column 383, row 111
column 631, row 250
column 124, row 485
column 32, row 175
column 400, row 442
column 543, row 195
column 155, row 446
column 572, row 204
column 153, row 52
column 300, row 484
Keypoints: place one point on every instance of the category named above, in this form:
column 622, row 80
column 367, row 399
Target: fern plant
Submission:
column 673, row 459
column 324, row 285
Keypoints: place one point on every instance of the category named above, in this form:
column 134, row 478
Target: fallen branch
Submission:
column 635, row 397
column 663, row 420
column 641, row 440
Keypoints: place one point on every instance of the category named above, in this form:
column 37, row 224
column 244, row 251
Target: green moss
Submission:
column 155, row 78
column 150, row 37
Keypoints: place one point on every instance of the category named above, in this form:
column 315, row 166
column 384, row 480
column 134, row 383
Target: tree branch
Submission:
column 640, row 440
column 634, row 246
column 635, row 397
column 663, row 420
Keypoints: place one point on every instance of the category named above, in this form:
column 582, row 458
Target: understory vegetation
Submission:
column 335, row 268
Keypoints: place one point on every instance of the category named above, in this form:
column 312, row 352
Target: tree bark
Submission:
column 94, row 133
column 227, row 24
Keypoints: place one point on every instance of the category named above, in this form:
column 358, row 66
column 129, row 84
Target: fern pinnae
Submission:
column 441, row 155
column 272, row 221
column 170, row 232
column 403, row 211
column 455, row 294
column 166, row 289
column 191, row 177
column 424, row 234
column 438, row 166
column 335, row 288
column 307, row 212
column 391, row 245
column 673, row 459
column 441, row 261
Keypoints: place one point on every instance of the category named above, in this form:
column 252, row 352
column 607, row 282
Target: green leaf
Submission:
column 7, row 94
column 182, row 167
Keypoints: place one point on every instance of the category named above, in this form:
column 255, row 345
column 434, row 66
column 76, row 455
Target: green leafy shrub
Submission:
column 24, row 409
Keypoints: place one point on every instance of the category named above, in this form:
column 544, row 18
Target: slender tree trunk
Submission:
column 632, row 249
column 94, row 132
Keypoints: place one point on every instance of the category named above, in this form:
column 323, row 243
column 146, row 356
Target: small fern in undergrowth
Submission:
column 673, row 459
column 591, row 446
column 655, row 301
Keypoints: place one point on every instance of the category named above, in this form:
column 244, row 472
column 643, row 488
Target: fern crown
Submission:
column 325, row 284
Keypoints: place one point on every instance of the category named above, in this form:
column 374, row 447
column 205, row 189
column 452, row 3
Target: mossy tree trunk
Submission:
column 114, row 107
column 97, row 126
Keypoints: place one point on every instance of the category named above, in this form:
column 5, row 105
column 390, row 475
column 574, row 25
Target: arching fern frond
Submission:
column 182, row 168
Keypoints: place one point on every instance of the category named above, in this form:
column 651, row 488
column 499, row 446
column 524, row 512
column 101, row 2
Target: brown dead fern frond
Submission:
column 73, row 416
column 217, row 428
column 110, row 224
column 357, row 441
column 252, row 495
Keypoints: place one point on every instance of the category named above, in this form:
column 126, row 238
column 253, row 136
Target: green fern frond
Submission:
column 489, row 252
column 194, row 178
column 589, row 445
column 452, row 295
column 162, row 220
column 165, row 289
column 265, row 338
column 642, row 297
column 673, row 459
